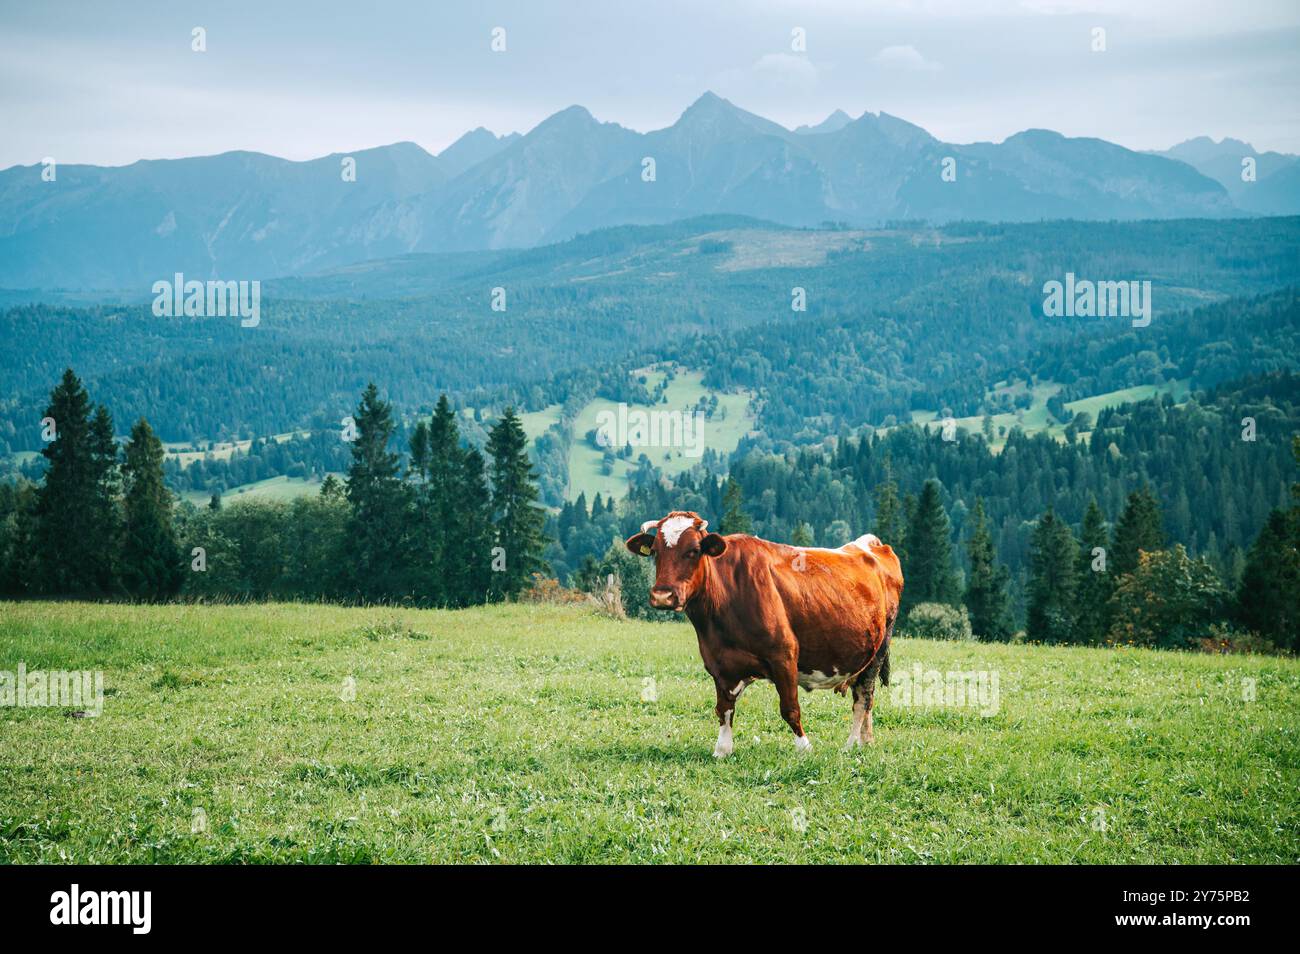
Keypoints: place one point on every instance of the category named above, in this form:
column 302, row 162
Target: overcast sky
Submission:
column 112, row 82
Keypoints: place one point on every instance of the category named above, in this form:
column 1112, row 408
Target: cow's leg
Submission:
column 867, row 735
column 861, row 712
column 726, row 709
column 787, row 689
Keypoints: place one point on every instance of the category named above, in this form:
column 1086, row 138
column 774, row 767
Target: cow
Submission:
column 799, row 616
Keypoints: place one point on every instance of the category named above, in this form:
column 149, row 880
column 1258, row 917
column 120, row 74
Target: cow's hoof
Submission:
column 802, row 744
column 721, row 751
column 853, row 742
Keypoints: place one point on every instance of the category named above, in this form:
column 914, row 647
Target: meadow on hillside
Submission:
column 526, row 733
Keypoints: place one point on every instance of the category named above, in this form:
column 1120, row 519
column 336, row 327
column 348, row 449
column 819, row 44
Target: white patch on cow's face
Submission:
column 673, row 528
column 724, row 746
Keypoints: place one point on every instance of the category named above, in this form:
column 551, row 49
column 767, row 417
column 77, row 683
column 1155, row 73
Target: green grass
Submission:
column 537, row 423
column 221, row 450
column 1035, row 418
column 273, row 488
column 733, row 420
column 722, row 434
column 518, row 734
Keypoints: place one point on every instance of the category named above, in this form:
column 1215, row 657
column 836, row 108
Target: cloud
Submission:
column 772, row 79
column 787, row 69
column 904, row 58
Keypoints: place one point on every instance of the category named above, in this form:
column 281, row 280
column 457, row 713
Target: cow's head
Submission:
column 680, row 546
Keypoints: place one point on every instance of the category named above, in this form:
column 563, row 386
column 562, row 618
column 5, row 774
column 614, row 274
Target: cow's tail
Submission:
column 884, row 661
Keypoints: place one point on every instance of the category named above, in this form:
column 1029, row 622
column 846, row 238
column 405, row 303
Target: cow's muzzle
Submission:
column 663, row 598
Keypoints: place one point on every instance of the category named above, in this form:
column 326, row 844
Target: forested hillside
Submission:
column 1217, row 467
column 895, row 321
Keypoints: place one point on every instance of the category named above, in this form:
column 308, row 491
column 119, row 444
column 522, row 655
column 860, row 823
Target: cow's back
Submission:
column 838, row 603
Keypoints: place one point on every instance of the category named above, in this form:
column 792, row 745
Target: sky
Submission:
column 108, row 83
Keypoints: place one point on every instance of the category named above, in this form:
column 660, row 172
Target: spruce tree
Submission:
column 151, row 565
column 802, row 535
column 986, row 588
column 889, row 517
column 928, row 571
column 377, row 530
column 1051, row 581
column 435, row 465
column 734, row 518
column 1139, row 529
column 75, row 533
column 516, row 517
column 18, row 573
column 1268, row 599
column 470, row 559
column 1094, row 577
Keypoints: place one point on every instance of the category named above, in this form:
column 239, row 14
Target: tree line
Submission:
column 443, row 525
column 1021, row 539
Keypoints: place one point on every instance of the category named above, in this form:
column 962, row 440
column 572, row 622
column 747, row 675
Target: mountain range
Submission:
column 245, row 215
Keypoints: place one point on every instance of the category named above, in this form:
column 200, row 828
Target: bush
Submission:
column 544, row 589
column 1166, row 602
column 937, row 621
column 1226, row 639
column 633, row 577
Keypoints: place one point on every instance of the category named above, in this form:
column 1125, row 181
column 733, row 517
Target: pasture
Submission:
column 522, row 733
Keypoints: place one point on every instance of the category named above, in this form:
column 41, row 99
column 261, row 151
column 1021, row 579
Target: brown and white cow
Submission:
column 799, row 616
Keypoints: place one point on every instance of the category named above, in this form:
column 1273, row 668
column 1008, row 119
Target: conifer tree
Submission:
column 516, row 517
column 1051, row 581
column 1139, row 529
column 151, row 564
column 436, row 467
column 986, row 587
column 1094, row 577
column 889, row 517
column 470, row 560
column 1268, row 599
column 17, row 538
column 734, row 517
column 802, row 535
column 377, row 531
column 929, row 571
column 75, row 533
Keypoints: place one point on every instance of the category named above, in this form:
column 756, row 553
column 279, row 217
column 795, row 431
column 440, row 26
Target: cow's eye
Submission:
column 694, row 554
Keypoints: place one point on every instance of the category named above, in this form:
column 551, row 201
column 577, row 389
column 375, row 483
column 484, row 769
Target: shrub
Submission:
column 543, row 589
column 1166, row 602
column 937, row 621
column 633, row 577
column 1225, row 639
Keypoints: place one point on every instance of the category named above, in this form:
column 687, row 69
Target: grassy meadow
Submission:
column 1037, row 419
column 511, row 734
column 733, row 420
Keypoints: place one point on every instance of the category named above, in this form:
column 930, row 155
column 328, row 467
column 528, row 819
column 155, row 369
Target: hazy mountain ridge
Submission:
column 244, row 215
column 1275, row 189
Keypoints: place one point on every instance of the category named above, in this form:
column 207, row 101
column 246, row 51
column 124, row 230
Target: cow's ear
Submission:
column 642, row 544
column 713, row 545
